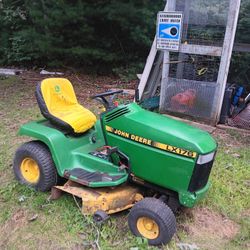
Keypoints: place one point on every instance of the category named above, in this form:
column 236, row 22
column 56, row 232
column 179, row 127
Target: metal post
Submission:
column 170, row 6
column 183, row 57
column 232, row 20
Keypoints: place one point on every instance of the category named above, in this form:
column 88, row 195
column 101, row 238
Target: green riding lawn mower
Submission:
column 129, row 158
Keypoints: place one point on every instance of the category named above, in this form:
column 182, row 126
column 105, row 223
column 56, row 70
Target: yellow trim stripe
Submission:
column 145, row 141
column 109, row 129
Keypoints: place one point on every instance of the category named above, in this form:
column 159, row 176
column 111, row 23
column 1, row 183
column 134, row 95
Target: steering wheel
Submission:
column 108, row 104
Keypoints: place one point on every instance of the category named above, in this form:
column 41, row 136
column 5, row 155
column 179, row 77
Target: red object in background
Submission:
column 116, row 103
column 184, row 101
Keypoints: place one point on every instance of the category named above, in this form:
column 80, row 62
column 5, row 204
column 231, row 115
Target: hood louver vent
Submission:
column 116, row 114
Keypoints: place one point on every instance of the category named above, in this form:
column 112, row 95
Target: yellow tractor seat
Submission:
column 57, row 101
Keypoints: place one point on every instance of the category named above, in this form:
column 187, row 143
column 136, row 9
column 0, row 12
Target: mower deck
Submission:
column 110, row 199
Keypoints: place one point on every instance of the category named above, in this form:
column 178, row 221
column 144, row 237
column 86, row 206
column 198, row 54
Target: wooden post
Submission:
column 170, row 6
column 232, row 19
column 147, row 69
column 149, row 64
column 154, row 79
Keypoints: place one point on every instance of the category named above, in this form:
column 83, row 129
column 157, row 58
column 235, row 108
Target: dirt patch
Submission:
column 210, row 222
column 9, row 228
column 20, row 232
column 208, row 229
column 231, row 138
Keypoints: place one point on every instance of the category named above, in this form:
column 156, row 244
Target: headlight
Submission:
column 202, row 159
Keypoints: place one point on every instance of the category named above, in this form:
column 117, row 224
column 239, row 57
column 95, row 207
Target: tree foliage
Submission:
column 100, row 34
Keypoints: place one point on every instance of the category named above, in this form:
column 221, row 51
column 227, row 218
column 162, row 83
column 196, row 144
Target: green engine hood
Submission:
column 160, row 128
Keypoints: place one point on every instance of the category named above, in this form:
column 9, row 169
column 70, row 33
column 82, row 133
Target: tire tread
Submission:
column 40, row 152
column 160, row 210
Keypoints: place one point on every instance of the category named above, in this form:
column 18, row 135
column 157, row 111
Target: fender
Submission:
column 60, row 145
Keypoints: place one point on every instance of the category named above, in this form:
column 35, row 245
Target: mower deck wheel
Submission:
column 100, row 216
column 152, row 219
column 33, row 166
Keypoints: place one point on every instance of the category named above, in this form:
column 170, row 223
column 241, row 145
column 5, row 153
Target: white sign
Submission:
column 168, row 33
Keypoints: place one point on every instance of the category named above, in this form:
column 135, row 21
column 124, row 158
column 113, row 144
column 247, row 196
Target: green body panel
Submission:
column 156, row 166
column 73, row 152
column 163, row 129
column 188, row 199
column 159, row 167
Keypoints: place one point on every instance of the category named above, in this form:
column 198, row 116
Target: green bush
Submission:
column 101, row 35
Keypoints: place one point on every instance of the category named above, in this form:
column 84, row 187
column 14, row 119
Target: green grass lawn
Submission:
column 221, row 220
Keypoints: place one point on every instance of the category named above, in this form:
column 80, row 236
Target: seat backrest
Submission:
column 55, row 93
column 57, row 101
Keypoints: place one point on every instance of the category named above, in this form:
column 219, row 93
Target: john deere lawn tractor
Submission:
column 130, row 158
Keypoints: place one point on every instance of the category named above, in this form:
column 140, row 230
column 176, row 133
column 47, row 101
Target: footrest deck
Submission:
column 88, row 178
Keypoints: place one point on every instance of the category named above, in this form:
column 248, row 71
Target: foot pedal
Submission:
column 101, row 153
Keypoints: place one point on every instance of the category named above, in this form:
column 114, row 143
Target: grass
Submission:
column 60, row 225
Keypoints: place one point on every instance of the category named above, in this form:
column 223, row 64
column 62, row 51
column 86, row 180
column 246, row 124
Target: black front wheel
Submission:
column 33, row 166
column 150, row 218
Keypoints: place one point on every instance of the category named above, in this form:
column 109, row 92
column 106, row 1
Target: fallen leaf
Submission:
column 236, row 155
column 33, row 218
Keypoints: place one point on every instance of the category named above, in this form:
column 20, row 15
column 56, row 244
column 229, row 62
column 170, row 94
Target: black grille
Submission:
column 200, row 176
column 116, row 114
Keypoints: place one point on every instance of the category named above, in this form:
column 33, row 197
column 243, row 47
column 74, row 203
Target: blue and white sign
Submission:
column 168, row 34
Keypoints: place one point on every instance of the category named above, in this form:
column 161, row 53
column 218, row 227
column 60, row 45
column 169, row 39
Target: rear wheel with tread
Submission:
column 152, row 219
column 33, row 166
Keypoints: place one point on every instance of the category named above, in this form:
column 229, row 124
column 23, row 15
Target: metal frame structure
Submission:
column 150, row 76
